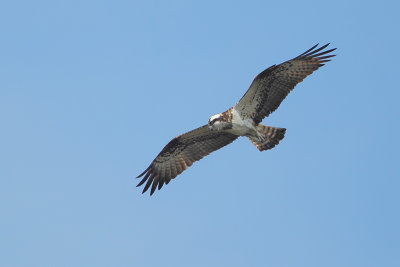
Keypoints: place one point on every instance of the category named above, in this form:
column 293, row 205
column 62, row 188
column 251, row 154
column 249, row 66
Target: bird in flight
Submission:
column 267, row 91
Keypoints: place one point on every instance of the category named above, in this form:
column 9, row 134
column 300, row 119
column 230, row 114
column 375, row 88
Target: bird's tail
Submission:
column 271, row 136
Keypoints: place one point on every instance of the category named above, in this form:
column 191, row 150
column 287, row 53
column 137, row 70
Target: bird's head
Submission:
column 217, row 122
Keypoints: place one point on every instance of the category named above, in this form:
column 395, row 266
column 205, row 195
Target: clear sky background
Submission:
column 91, row 91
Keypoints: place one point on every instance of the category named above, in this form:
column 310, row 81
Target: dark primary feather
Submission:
column 271, row 86
column 180, row 153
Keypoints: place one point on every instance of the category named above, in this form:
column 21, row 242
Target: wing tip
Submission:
column 153, row 181
column 149, row 182
column 313, row 52
column 309, row 50
column 140, row 175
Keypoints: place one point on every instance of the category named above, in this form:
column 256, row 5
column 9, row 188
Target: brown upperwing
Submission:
column 180, row 153
column 271, row 86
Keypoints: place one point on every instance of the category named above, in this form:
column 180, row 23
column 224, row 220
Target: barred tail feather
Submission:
column 272, row 136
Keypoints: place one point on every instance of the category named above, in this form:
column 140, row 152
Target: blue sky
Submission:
column 91, row 91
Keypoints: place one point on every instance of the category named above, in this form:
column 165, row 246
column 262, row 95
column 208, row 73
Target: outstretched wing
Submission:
column 271, row 86
column 180, row 153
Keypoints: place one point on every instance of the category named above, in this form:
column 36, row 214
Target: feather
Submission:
column 180, row 153
column 271, row 86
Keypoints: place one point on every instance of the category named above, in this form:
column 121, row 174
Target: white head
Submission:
column 217, row 122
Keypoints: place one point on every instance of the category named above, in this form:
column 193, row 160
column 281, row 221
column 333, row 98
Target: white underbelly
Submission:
column 242, row 127
column 241, row 130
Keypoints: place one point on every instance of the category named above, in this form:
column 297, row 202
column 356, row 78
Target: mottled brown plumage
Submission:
column 180, row 153
column 271, row 86
column 264, row 96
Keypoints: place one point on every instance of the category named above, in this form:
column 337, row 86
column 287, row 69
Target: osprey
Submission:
column 267, row 91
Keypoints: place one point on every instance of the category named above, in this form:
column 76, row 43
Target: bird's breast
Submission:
column 242, row 127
